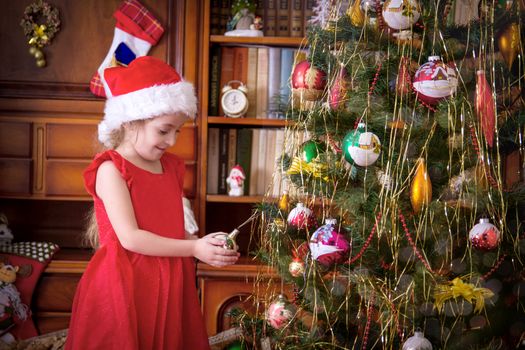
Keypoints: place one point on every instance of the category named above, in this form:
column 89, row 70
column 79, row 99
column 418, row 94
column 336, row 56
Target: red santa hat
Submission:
column 146, row 88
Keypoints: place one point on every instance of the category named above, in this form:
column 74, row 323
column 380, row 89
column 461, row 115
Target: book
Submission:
column 269, row 162
column 244, row 154
column 240, row 64
column 222, row 172
column 232, row 149
column 259, row 9
column 283, row 15
column 261, row 163
column 213, row 161
column 296, row 25
column 215, row 88
column 251, row 82
column 215, row 14
column 254, row 163
column 308, row 13
column 262, row 83
column 224, row 15
column 270, row 17
column 279, row 166
column 226, row 71
column 274, row 79
column 286, row 73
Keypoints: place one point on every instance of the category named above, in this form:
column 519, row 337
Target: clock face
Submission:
column 234, row 103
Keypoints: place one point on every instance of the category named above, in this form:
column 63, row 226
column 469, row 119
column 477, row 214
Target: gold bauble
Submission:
column 421, row 190
column 357, row 17
column 38, row 54
column 284, row 204
column 32, row 50
column 509, row 43
column 41, row 63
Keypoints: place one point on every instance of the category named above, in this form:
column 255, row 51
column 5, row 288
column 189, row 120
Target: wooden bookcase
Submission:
column 224, row 288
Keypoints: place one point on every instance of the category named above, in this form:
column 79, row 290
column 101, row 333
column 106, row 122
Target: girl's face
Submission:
column 153, row 137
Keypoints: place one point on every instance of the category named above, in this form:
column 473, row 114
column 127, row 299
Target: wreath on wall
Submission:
column 41, row 22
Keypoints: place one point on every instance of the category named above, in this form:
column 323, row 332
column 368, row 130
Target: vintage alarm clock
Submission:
column 234, row 101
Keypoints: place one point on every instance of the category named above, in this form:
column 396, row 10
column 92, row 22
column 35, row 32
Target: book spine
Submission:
column 296, row 18
column 270, row 17
column 286, row 72
column 269, row 167
column 251, row 82
column 215, row 14
column 240, row 64
column 283, row 20
column 244, row 154
column 223, row 161
column 224, row 16
column 254, row 163
column 215, row 88
column 232, row 148
column 308, row 13
column 261, row 164
column 226, row 72
column 213, row 161
column 279, row 166
column 262, row 82
column 274, row 80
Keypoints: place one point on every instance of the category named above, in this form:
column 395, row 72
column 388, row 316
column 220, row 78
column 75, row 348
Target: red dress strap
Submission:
column 90, row 174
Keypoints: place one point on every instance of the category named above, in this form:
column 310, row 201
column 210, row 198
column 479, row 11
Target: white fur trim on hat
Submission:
column 147, row 103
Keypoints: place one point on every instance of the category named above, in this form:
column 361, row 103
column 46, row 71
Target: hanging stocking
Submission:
column 136, row 31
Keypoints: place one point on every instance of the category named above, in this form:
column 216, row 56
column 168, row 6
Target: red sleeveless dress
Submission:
column 130, row 301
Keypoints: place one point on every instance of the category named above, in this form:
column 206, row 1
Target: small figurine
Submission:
column 244, row 21
column 235, row 181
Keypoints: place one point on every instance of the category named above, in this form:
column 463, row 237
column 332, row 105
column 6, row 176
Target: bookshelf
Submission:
column 221, row 288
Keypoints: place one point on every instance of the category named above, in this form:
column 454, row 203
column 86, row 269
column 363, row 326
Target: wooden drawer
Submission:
column 64, row 177
column 15, row 176
column 15, row 139
column 71, row 141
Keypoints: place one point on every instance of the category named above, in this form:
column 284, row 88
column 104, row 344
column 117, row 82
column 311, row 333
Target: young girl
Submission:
column 138, row 291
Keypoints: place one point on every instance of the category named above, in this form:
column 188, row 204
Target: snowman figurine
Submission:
column 235, row 181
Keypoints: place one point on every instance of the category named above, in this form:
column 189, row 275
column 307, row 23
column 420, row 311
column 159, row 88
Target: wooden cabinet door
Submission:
column 15, row 157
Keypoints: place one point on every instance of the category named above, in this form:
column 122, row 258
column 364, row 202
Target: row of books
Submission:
column 256, row 150
column 280, row 17
column 265, row 71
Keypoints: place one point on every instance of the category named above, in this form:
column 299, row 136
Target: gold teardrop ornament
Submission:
column 421, row 190
column 509, row 43
column 357, row 17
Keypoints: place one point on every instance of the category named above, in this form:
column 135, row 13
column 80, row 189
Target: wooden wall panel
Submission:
column 15, row 139
column 15, row 176
column 64, row 178
column 71, row 141
column 76, row 51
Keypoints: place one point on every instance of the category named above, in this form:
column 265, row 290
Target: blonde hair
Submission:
column 91, row 233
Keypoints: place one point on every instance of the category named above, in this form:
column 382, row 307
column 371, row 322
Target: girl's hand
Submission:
column 209, row 249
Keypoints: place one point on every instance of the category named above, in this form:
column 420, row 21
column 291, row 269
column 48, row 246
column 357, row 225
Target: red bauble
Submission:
column 280, row 312
column 485, row 107
column 338, row 90
column 308, row 82
column 484, row 235
column 301, row 217
column 435, row 81
column 328, row 246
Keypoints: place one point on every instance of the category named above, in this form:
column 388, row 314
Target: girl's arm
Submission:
column 112, row 190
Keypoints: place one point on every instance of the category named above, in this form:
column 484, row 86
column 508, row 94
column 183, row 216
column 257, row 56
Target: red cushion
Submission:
column 32, row 258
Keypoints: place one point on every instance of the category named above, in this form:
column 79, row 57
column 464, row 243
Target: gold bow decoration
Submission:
column 457, row 288
column 39, row 37
column 314, row 168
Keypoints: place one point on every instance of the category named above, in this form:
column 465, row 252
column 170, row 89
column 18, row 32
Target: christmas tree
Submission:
column 398, row 227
